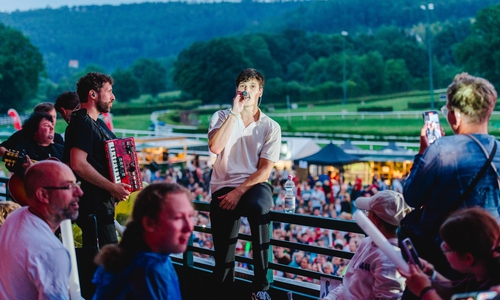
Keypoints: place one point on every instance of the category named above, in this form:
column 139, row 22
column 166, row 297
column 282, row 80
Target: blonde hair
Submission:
column 474, row 97
column 6, row 207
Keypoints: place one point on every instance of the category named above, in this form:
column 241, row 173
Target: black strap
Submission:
column 479, row 175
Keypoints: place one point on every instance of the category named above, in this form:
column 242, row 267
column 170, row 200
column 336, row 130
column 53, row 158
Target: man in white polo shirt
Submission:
column 247, row 144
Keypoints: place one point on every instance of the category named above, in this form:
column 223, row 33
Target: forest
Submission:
column 155, row 47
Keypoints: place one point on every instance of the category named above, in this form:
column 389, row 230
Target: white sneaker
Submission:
column 261, row 295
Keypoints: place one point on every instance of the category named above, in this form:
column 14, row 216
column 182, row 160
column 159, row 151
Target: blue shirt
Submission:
column 442, row 174
column 150, row 276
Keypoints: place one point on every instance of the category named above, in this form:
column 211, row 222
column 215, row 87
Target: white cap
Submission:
column 388, row 205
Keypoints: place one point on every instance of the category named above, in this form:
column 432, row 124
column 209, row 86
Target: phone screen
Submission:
column 485, row 295
column 412, row 253
column 431, row 120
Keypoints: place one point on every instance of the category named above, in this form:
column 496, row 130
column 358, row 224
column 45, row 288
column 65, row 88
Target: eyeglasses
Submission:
column 444, row 111
column 444, row 250
column 70, row 186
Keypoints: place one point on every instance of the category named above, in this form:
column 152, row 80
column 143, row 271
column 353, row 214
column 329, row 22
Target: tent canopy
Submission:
column 349, row 146
column 330, row 155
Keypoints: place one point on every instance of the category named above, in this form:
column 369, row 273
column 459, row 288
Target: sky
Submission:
column 23, row 5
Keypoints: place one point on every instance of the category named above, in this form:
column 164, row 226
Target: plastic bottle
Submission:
column 289, row 196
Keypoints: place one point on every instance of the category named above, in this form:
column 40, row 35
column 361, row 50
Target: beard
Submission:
column 102, row 106
column 65, row 213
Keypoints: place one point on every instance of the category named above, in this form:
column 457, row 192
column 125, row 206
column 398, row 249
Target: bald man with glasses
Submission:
column 35, row 264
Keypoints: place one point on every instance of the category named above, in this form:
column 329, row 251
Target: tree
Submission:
column 21, row 66
column 397, row 76
column 207, row 71
column 370, row 69
column 125, row 86
column 151, row 75
column 480, row 52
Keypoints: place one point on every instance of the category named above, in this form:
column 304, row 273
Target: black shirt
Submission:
column 17, row 138
column 89, row 136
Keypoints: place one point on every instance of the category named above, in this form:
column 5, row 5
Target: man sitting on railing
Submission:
column 247, row 144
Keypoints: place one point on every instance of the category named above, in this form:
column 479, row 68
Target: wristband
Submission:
column 425, row 290
column 233, row 113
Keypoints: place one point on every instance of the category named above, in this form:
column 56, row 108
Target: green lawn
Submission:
column 404, row 125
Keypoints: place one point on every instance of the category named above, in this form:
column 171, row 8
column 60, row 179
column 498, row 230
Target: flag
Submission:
column 108, row 121
column 15, row 118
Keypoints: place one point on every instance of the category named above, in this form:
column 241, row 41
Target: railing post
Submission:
column 270, row 276
column 187, row 256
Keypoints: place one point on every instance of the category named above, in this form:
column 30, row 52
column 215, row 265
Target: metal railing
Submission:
column 307, row 290
column 4, row 192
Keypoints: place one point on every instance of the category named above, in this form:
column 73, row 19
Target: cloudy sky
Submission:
column 12, row 5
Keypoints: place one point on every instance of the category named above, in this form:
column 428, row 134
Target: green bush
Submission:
column 375, row 109
column 418, row 105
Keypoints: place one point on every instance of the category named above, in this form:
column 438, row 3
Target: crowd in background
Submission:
column 327, row 195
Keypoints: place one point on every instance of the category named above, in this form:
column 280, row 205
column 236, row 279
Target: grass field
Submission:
column 404, row 125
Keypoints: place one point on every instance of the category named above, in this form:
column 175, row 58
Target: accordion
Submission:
column 123, row 163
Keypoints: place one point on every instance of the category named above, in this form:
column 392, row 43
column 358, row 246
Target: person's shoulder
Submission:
column 269, row 121
column 151, row 258
column 78, row 117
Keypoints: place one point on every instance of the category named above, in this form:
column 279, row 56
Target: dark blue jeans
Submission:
column 255, row 204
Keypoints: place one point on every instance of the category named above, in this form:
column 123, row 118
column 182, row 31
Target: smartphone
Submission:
column 412, row 253
column 431, row 120
column 484, row 295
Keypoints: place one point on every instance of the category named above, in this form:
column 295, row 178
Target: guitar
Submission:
column 12, row 158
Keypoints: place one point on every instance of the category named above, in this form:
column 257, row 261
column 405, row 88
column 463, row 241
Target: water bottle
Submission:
column 289, row 196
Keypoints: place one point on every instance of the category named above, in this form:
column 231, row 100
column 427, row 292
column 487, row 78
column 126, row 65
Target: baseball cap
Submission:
column 318, row 183
column 388, row 205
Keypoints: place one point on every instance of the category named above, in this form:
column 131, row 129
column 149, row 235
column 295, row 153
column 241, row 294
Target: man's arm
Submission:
column 218, row 140
column 80, row 165
column 231, row 199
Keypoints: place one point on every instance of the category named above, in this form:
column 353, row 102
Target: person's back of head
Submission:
column 44, row 107
column 474, row 97
column 66, row 103
column 474, row 231
column 389, row 206
column 6, row 207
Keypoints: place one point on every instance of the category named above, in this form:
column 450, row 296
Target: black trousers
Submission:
column 100, row 221
column 255, row 204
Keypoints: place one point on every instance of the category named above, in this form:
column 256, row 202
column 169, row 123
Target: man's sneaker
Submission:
column 262, row 295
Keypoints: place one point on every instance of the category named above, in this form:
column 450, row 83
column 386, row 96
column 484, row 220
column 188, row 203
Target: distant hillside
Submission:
column 115, row 36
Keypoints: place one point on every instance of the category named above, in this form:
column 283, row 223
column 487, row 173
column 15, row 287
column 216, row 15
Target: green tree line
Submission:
column 116, row 36
column 307, row 66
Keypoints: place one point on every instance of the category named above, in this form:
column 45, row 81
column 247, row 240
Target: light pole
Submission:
column 428, row 8
column 344, row 84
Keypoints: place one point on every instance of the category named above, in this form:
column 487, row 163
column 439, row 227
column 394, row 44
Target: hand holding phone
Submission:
column 433, row 130
column 411, row 253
